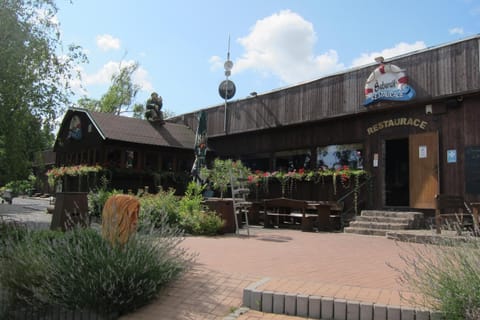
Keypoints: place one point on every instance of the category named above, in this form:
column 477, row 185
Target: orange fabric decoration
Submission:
column 119, row 218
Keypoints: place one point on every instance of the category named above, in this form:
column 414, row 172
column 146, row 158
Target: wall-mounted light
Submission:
column 428, row 109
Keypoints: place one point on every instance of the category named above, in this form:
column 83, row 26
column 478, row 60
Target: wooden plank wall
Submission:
column 434, row 73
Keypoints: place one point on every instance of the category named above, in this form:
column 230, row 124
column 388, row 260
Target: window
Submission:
column 258, row 161
column 337, row 156
column 131, row 159
column 257, row 164
column 114, row 157
column 292, row 160
column 167, row 163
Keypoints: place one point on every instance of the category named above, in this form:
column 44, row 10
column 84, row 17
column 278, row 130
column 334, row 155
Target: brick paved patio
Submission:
column 333, row 265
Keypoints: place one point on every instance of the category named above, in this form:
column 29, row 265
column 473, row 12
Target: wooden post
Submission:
column 438, row 218
column 475, row 208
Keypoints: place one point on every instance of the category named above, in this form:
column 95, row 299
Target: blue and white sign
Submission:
column 451, row 156
column 387, row 82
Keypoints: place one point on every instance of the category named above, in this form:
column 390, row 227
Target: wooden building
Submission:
column 411, row 121
column 135, row 153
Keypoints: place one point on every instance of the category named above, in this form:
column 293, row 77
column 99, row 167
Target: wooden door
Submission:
column 423, row 159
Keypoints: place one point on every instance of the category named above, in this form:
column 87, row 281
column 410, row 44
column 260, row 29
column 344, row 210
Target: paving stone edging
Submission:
column 316, row 307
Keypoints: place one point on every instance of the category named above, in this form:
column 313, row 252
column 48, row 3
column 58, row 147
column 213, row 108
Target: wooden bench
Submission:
column 286, row 211
column 289, row 211
column 454, row 210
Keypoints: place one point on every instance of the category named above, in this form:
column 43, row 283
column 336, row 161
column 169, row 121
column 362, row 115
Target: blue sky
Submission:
column 181, row 45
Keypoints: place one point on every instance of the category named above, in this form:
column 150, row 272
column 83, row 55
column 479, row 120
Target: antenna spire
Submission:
column 227, row 87
column 228, row 51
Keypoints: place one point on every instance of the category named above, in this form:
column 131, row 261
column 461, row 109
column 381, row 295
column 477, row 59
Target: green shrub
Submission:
column 11, row 230
column 164, row 208
column 193, row 218
column 79, row 270
column 447, row 275
column 192, row 200
column 97, row 199
column 201, row 223
column 159, row 208
column 21, row 186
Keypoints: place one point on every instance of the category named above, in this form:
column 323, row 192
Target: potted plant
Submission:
column 219, row 175
column 71, row 204
column 219, row 178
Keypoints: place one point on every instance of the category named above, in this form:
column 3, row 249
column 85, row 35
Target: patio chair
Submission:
column 241, row 206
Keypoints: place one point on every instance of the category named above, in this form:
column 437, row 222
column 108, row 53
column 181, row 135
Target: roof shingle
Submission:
column 142, row 131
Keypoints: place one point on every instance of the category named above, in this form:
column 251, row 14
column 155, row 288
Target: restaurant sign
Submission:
column 387, row 82
column 397, row 122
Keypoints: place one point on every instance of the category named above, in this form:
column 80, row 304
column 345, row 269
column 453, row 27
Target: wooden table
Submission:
column 327, row 212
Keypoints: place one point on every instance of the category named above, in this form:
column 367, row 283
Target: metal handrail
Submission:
column 354, row 190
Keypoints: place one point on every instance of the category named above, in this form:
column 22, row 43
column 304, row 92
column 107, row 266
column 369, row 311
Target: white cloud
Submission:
column 282, row 45
column 400, row 48
column 103, row 77
column 456, row 30
column 216, row 63
column 107, row 42
column 140, row 77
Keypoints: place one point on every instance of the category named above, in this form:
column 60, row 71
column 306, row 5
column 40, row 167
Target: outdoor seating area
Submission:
column 281, row 212
column 307, row 215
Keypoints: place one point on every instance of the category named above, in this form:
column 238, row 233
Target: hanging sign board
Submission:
column 387, row 82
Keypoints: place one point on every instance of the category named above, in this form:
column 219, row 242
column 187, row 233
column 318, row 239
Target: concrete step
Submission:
column 383, row 219
column 365, row 231
column 391, row 214
column 380, row 222
column 379, row 225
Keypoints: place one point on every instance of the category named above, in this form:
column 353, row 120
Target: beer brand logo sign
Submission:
column 387, row 82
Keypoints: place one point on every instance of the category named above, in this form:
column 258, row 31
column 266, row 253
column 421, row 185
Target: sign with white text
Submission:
column 422, row 152
column 451, row 156
column 387, row 82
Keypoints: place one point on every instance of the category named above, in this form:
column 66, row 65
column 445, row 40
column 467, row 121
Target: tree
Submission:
column 35, row 75
column 120, row 96
column 122, row 92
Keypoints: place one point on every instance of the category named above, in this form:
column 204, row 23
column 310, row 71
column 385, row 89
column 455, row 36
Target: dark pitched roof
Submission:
column 141, row 131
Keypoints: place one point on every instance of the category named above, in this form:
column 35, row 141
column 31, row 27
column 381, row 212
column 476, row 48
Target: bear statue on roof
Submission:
column 154, row 108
